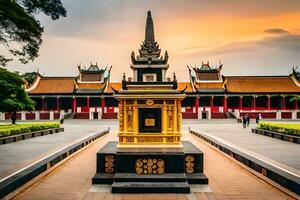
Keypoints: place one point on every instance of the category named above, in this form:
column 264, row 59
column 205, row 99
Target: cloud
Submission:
column 287, row 42
column 276, row 31
column 271, row 55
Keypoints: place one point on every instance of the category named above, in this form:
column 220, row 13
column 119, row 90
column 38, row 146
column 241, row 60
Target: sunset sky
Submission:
column 250, row 37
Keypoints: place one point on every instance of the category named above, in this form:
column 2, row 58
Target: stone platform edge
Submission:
column 288, row 180
column 24, row 136
column 21, row 177
column 289, row 138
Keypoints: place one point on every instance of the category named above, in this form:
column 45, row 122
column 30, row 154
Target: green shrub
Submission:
column 14, row 129
column 291, row 129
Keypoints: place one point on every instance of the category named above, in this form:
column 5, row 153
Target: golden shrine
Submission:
column 149, row 116
column 149, row 156
column 150, row 103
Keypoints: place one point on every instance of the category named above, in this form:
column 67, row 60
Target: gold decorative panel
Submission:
column 150, row 166
column 130, row 120
column 150, row 122
column 149, row 102
column 189, row 164
column 109, row 164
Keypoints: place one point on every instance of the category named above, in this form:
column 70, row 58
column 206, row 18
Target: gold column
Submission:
column 125, row 121
column 175, row 117
column 179, row 115
column 121, row 117
column 164, row 121
column 135, row 120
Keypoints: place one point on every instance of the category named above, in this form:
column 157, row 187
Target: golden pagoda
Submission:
column 150, row 103
column 149, row 156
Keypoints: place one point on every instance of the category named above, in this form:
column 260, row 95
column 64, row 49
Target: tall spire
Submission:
column 149, row 31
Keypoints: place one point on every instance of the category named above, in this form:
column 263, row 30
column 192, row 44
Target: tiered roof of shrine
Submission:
column 149, row 52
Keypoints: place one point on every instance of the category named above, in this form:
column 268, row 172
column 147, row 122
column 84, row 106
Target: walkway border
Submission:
column 21, row 177
column 24, row 136
column 285, row 137
column 283, row 177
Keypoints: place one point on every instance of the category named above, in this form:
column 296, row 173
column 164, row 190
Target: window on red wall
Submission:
column 95, row 101
column 288, row 103
column 261, row 101
column 204, row 101
column 81, row 101
column 218, row 100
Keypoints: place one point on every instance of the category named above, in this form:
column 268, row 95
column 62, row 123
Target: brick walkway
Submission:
column 227, row 180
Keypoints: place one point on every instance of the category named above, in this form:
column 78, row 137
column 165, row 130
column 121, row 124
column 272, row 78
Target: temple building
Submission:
column 208, row 94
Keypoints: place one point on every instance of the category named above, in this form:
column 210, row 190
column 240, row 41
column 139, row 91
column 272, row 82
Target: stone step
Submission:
column 150, row 187
column 101, row 178
column 167, row 177
column 197, row 178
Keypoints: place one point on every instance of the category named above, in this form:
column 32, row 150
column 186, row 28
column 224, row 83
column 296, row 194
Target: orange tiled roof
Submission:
column 182, row 85
column 96, row 86
column 261, row 84
column 203, row 85
column 117, row 86
column 53, row 85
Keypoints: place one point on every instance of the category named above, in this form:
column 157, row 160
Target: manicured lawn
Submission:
column 14, row 129
column 291, row 129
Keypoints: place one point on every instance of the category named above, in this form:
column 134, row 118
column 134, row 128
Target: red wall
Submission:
column 30, row 116
column 7, row 116
column 218, row 115
column 82, row 116
column 109, row 115
column 286, row 115
column 187, row 115
column 44, row 115
column 56, row 115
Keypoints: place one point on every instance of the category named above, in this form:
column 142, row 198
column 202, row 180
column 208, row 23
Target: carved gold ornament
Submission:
column 149, row 102
column 109, row 163
column 189, row 164
column 150, row 166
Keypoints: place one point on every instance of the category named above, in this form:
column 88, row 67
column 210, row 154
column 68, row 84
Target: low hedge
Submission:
column 285, row 128
column 15, row 129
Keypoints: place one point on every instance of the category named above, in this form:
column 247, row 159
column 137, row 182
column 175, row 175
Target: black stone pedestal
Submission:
column 163, row 170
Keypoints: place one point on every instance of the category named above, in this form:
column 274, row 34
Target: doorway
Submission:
column 150, row 120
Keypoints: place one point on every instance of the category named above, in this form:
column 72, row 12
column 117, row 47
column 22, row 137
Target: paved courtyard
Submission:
column 16, row 155
column 227, row 180
column 72, row 180
column 282, row 152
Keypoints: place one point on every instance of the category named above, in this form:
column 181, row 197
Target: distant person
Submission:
column 258, row 118
column 13, row 117
column 247, row 119
column 244, row 121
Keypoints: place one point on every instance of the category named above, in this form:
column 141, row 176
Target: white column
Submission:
column 37, row 115
column 62, row 114
column 208, row 112
column 23, row 116
column 51, row 117
column 278, row 114
column 2, row 116
column 294, row 115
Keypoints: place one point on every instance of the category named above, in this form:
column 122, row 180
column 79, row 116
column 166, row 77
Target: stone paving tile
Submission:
column 72, row 180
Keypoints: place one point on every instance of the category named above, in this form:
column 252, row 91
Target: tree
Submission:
column 12, row 94
column 29, row 77
column 20, row 31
